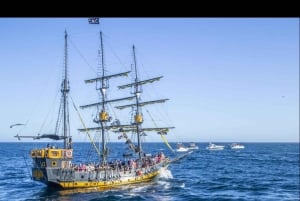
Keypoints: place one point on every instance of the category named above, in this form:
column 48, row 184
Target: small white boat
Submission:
column 193, row 146
column 181, row 148
column 212, row 146
column 237, row 146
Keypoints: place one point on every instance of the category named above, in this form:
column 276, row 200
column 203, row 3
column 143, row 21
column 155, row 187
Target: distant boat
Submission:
column 212, row 146
column 192, row 145
column 237, row 146
column 181, row 148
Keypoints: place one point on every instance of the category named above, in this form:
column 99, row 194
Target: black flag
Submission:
column 94, row 20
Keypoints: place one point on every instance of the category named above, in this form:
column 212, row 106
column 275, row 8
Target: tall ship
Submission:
column 54, row 166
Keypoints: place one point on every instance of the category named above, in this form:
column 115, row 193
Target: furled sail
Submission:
column 140, row 82
column 107, row 77
column 105, row 127
column 141, row 104
column 133, row 129
column 107, row 101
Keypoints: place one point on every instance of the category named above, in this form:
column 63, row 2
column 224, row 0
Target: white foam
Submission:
column 165, row 174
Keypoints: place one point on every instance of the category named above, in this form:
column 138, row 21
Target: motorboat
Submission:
column 237, row 146
column 181, row 148
column 193, row 146
column 212, row 146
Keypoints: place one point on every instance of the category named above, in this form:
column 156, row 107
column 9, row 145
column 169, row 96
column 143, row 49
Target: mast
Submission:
column 102, row 80
column 103, row 113
column 63, row 113
column 138, row 117
column 102, row 119
column 65, row 88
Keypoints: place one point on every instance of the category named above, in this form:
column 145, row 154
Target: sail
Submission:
column 37, row 137
column 107, row 77
column 107, row 101
column 141, row 104
column 162, row 133
column 166, row 142
column 161, row 130
column 140, row 82
column 105, row 127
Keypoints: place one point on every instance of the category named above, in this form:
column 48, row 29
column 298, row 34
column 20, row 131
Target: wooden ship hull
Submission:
column 54, row 167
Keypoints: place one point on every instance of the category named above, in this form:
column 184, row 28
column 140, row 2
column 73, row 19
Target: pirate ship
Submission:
column 54, row 165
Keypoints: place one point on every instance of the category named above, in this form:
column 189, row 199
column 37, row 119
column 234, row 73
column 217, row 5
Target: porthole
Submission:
column 54, row 163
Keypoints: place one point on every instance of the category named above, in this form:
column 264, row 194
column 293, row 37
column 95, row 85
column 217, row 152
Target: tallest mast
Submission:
column 103, row 113
column 102, row 85
column 138, row 116
column 65, row 90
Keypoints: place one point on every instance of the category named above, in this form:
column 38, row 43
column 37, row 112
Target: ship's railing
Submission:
column 52, row 153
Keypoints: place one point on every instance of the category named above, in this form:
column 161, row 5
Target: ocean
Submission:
column 261, row 171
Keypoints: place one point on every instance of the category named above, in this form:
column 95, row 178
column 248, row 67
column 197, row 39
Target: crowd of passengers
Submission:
column 122, row 165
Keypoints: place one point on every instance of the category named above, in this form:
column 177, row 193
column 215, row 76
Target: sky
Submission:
column 228, row 79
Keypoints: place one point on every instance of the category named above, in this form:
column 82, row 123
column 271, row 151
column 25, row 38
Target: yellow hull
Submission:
column 109, row 184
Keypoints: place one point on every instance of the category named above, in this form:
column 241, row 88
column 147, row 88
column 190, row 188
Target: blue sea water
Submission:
column 261, row 171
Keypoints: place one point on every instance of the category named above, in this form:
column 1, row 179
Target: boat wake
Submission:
column 165, row 174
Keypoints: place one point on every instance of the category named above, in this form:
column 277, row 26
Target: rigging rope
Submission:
column 162, row 136
column 86, row 129
column 81, row 55
column 48, row 113
column 112, row 109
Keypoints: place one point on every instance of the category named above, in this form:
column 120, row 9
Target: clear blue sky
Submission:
column 232, row 79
